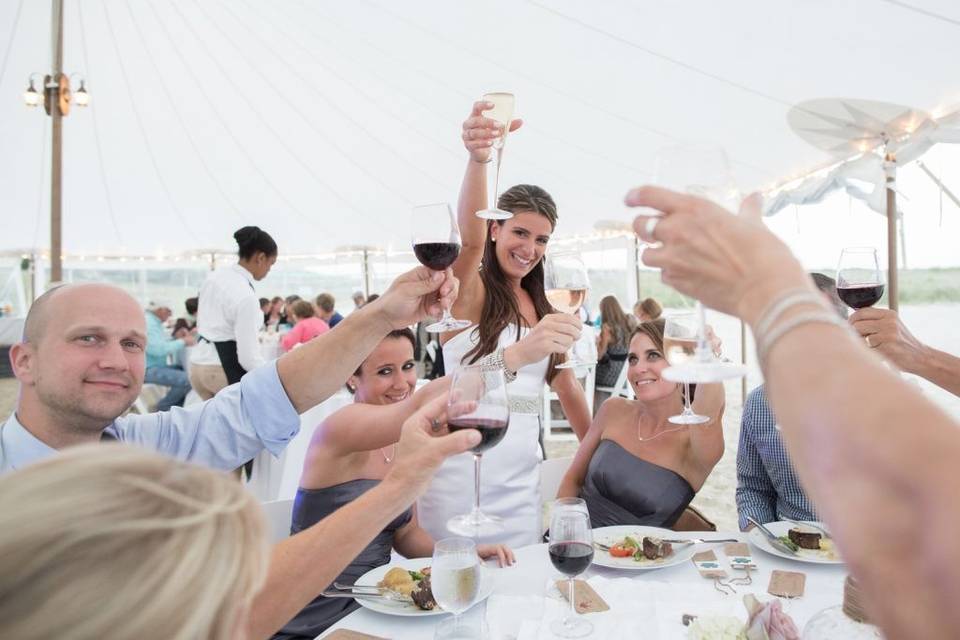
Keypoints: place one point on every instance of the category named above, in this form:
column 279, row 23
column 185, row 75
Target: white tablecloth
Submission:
column 529, row 576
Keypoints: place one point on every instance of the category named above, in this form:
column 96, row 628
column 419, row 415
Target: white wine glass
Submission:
column 703, row 171
column 478, row 400
column 455, row 576
column 502, row 111
column 566, row 282
column 571, row 552
column 436, row 243
column 860, row 282
column 681, row 334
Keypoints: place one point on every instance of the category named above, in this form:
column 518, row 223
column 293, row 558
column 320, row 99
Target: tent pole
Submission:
column 890, row 168
column 53, row 101
column 366, row 273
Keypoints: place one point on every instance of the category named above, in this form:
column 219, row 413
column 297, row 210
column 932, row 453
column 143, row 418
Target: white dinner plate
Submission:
column 610, row 535
column 757, row 539
column 394, row 608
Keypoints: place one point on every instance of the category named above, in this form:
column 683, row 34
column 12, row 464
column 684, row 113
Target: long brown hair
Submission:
column 613, row 315
column 500, row 306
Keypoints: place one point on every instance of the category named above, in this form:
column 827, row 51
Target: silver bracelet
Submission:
column 495, row 361
column 765, row 342
column 487, row 161
column 773, row 312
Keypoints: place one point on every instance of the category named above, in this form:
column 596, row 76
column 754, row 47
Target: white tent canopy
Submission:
column 324, row 122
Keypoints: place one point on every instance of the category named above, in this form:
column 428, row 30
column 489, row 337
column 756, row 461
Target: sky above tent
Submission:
column 325, row 122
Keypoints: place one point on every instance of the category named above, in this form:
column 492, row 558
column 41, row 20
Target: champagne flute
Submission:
column 455, row 582
column 571, row 552
column 436, row 243
column 478, row 400
column 566, row 282
column 700, row 170
column 860, row 282
column 680, row 339
column 502, row 112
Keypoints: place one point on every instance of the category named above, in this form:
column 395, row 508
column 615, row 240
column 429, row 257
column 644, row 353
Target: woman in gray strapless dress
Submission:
column 634, row 466
column 351, row 452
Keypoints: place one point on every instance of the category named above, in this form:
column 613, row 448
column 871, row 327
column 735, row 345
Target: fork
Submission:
column 775, row 542
column 808, row 524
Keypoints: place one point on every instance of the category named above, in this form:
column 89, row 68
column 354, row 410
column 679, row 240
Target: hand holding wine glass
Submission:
column 860, row 282
column 703, row 171
column 478, row 400
column 566, row 283
column 571, row 552
column 436, row 243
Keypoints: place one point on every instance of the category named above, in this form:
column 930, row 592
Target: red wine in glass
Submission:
column 491, row 431
column 435, row 238
column 436, row 255
column 858, row 297
column 860, row 281
column 571, row 558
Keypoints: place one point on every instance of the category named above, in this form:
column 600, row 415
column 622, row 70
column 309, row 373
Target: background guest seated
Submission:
column 326, row 309
column 634, row 466
column 161, row 349
column 351, row 452
column 612, row 345
column 767, row 486
column 647, row 309
column 306, row 326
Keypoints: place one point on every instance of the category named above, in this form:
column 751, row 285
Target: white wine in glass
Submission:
column 565, row 282
column 502, row 112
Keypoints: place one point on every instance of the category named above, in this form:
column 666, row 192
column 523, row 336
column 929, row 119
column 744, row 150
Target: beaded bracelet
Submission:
column 766, row 341
column 495, row 360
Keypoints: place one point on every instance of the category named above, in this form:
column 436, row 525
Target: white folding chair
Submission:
column 278, row 514
column 552, row 471
column 150, row 395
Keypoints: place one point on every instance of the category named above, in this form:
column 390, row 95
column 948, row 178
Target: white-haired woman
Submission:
column 112, row 541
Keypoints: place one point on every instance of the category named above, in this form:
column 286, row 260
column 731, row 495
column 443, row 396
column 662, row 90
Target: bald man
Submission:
column 81, row 366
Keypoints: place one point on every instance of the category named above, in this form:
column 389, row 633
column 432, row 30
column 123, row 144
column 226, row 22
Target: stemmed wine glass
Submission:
column 478, row 400
column 455, row 582
column 680, row 338
column 436, row 243
column 860, row 282
column 571, row 552
column 502, row 112
column 566, row 282
column 700, row 170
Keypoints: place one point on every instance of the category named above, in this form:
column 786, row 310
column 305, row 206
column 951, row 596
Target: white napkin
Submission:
column 638, row 608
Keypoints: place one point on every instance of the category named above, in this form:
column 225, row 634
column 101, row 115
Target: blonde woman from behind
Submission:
column 111, row 541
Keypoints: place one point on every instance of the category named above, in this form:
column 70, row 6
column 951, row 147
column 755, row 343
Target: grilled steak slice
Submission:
column 803, row 538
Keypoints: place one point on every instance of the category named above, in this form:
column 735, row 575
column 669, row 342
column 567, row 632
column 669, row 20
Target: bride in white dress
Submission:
column 501, row 293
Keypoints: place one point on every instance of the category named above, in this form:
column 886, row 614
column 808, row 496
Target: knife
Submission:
column 775, row 542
